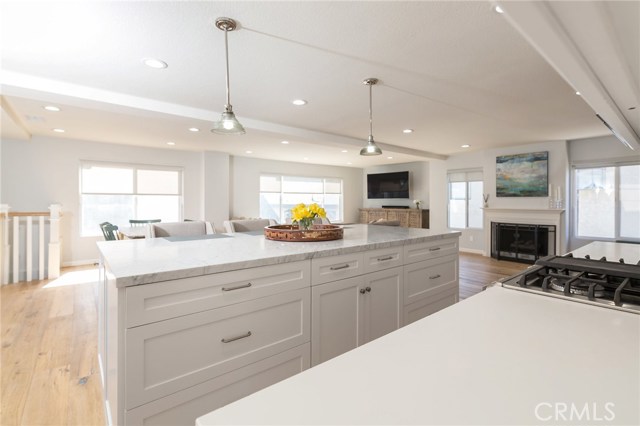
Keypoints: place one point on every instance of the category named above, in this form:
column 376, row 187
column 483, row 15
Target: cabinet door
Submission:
column 415, row 219
column 182, row 408
column 382, row 303
column 424, row 280
column 335, row 322
column 403, row 217
column 364, row 216
column 168, row 356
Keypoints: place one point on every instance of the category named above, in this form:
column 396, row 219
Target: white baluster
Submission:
column 5, row 247
column 29, row 248
column 54, row 241
column 41, row 248
column 16, row 249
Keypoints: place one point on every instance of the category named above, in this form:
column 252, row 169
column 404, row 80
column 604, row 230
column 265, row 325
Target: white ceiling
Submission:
column 455, row 72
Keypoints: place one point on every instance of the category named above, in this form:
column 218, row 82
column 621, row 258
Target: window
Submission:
column 607, row 201
column 118, row 192
column 278, row 194
column 465, row 199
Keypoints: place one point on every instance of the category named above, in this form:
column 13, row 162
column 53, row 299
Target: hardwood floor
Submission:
column 49, row 370
column 50, row 373
column 477, row 271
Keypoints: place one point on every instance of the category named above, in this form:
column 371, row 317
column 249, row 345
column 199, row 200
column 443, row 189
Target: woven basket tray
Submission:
column 293, row 233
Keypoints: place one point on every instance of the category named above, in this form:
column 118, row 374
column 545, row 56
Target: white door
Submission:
column 335, row 324
column 383, row 303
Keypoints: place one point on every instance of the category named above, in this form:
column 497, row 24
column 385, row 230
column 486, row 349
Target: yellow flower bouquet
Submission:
column 304, row 215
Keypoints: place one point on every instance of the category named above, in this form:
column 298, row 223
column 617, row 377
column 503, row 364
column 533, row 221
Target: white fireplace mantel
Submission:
column 525, row 216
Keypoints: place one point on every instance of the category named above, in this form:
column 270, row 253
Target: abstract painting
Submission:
column 522, row 175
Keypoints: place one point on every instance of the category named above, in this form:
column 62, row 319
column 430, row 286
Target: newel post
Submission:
column 54, row 240
column 5, row 248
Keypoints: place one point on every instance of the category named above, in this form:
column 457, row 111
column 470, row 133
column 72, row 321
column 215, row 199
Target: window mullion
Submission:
column 616, row 201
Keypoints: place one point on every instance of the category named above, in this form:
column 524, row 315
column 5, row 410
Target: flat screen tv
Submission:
column 388, row 185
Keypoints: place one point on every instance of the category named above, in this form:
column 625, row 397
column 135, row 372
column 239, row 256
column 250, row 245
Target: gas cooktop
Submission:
column 612, row 284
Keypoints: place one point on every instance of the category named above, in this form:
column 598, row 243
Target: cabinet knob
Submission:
column 362, row 291
column 368, row 289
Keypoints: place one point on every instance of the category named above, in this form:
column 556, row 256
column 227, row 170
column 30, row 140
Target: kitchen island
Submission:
column 502, row 357
column 188, row 325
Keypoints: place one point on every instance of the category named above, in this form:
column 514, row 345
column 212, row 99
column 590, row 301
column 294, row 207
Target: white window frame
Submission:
column 471, row 175
column 574, row 198
column 323, row 178
column 129, row 166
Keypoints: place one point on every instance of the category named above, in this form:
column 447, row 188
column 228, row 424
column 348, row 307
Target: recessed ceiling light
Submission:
column 285, row 142
column 498, row 9
column 344, row 150
column 51, row 108
column 305, row 158
column 578, row 93
column 407, row 131
column 390, row 158
column 154, row 63
column 171, row 143
column 348, row 164
column 249, row 152
column 299, row 102
column 194, row 129
column 465, row 146
column 58, row 130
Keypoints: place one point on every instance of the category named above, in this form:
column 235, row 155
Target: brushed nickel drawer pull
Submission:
column 337, row 268
column 233, row 339
column 433, row 277
column 434, row 249
column 236, row 287
column 380, row 259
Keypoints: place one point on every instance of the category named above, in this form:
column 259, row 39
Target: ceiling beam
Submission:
column 542, row 28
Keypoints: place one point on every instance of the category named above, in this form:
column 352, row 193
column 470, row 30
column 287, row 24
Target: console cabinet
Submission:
column 408, row 218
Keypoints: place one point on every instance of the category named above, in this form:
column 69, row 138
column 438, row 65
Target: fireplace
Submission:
column 522, row 242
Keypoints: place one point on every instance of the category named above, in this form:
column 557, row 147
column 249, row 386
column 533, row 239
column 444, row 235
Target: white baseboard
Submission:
column 472, row 251
column 80, row 262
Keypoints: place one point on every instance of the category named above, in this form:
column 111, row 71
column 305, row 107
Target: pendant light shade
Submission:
column 228, row 123
column 371, row 148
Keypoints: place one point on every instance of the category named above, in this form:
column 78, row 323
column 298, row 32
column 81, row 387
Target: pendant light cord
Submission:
column 226, row 55
column 370, row 113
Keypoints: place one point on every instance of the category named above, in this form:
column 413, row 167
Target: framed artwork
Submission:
column 522, row 175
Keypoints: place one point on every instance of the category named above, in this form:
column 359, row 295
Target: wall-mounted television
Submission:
column 388, row 185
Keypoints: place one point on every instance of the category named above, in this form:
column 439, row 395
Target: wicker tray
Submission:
column 293, row 233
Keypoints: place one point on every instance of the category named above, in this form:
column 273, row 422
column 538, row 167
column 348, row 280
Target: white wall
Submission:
column 215, row 183
column 245, row 183
column 43, row 171
column 418, row 185
column 473, row 239
column 438, row 195
column 605, row 149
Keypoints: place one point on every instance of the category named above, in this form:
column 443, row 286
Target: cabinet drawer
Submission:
column 430, row 277
column 170, row 299
column 327, row 269
column 182, row 408
column 430, row 250
column 425, row 307
column 168, row 356
column 377, row 260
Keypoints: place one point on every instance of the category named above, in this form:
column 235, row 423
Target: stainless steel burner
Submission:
column 576, row 288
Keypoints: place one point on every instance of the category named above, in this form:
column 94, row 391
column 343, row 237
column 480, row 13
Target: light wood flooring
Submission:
column 49, row 369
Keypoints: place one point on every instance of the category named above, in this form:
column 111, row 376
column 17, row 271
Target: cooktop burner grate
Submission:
column 597, row 280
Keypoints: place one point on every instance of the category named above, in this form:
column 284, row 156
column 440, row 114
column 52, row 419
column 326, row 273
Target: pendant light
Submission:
column 371, row 148
column 228, row 124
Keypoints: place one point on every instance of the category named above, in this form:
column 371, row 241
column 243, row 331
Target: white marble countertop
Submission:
column 502, row 357
column 134, row 262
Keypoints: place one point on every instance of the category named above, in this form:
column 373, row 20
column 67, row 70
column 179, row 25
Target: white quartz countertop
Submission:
column 134, row 262
column 612, row 251
column 502, row 357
